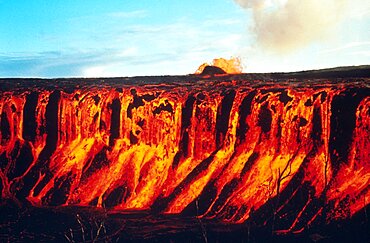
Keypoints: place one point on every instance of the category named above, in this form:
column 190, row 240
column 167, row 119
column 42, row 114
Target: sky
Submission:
column 90, row 38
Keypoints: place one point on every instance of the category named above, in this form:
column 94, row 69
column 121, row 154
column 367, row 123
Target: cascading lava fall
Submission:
column 234, row 148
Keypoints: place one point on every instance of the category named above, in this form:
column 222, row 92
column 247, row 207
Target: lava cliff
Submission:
column 225, row 147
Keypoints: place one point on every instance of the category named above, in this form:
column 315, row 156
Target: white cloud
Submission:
column 365, row 53
column 130, row 51
column 94, row 71
column 285, row 26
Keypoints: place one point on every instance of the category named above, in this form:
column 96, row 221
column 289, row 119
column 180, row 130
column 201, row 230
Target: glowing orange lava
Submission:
column 220, row 149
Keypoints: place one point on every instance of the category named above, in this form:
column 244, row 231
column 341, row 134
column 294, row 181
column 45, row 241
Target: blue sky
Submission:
column 80, row 38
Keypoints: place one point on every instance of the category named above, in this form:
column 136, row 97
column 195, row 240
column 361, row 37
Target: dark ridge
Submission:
column 94, row 202
column 141, row 123
column 47, row 177
column 14, row 109
column 22, row 163
column 263, row 98
column 302, row 122
column 212, row 70
column 248, row 165
column 147, row 97
column 266, row 211
column 341, row 209
column 102, row 125
column 200, row 204
column 316, row 127
column 16, row 148
column 115, row 121
column 284, row 97
column 5, row 128
column 99, row 161
column 161, row 203
column 186, row 115
column 200, row 97
column 228, row 212
column 3, row 161
column 51, row 128
column 227, row 190
column 273, row 108
column 129, row 110
column 96, row 99
column 184, row 144
column 96, row 116
column 115, row 197
column 244, row 111
column 278, row 134
column 138, row 101
column 323, row 96
column 176, row 160
column 308, row 102
column 1, row 188
column 58, row 195
column 163, row 107
column 286, row 216
column 133, row 92
column 223, row 115
column 271, row 90
column 265, row 118
column 342, row 124
column 133, row 138
column 311, row 209
column 29, row 117
column 314, row 96
column 240, row 213
column 22, row 187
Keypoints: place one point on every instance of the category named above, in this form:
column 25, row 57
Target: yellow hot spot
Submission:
column 231, row 66
column 153, row 181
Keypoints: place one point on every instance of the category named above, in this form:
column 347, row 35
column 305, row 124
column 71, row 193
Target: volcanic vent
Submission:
column 288, row 150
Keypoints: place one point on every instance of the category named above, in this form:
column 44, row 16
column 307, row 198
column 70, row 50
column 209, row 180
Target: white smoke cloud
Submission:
column 286, row 25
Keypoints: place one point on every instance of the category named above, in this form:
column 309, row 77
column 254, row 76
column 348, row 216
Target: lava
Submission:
column 230, row 66
column 230, row 148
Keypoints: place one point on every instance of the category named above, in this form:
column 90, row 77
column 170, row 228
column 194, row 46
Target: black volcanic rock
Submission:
column 212, row 70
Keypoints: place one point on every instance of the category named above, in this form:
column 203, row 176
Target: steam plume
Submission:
column 287, row 25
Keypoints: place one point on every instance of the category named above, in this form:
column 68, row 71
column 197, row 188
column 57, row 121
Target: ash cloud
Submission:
column 284, row 26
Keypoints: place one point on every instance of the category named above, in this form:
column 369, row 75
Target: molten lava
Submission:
column 230, row 66
column 229, row 149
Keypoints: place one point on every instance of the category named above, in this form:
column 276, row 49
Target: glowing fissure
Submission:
column 225, row 150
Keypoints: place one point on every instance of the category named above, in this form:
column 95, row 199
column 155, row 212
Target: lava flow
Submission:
column 230, row 148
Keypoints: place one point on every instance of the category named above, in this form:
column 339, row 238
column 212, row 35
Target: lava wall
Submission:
column 222, row 148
